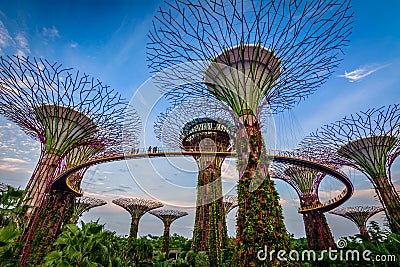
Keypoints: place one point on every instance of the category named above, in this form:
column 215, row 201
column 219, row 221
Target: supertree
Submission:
column 167, row 217
column 230, row 202
column 202, row 124
column 359, row 215
column 136, row 207
column 306, row 183
column 83, row 204
column 367, row 141
column 250, row 54
column 3, row 187
column 60, row 108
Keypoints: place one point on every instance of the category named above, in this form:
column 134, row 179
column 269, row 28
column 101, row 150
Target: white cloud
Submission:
column 50, row 32
column 13, row 160
column 73, row 45
column 362, row 72
column 5, row 38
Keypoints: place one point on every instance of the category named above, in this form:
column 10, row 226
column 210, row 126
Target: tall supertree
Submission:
column 83, row 204
column 359, row 215
column 230, row 202
column 167, row 217
column 136, row 207
column 367, row 141
column 60, row 108
column 203, row 124
column 306, row 182
column 251, row 53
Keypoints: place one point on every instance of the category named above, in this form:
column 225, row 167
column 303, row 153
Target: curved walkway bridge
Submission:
column 62, row 181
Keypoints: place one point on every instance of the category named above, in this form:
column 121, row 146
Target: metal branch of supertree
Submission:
column 230, row 202
column 359, row 215
column 136, row 207
column 83, row 204
column 170, row 126
column 300, row 41
column 368, row 141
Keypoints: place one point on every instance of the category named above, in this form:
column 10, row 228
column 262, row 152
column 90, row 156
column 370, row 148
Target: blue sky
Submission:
column 107, row 40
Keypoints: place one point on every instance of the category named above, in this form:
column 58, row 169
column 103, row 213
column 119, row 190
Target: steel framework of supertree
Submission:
column 367, row 141
column 83, row 204
column 230, row 202
column 136, row 207
column 60, row 108
column 359, row 215
column 167, row 217
column 252, row 54
column 202, row 124
column 306, row 181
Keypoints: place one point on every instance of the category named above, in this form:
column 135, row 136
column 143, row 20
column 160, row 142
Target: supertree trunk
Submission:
column 318, row 232
column 390, row 199
column 57, row 204
column 165, row 244
column 210, row 233
column 260, row 220
column 133, row 231
column 364, row 231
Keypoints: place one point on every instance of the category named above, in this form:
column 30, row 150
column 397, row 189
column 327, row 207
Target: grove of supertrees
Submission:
column 359, row 215
column 167, row 217
column 62, row 109
column 369, row 142
column 306, row 181
column 136, row 207
column 251, row 54
column 83, row 204
column 202, row 124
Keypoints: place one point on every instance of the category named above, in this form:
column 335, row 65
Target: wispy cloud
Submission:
column 51, row 32
column 23, row 44
column 362, row 72
column 73, row 45
column 13, row 160
column 5, row 38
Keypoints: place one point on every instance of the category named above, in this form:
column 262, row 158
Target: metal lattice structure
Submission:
column 230, row 202
column 136, row 207
column 60, row 108
column 83, row 204
column 367, row 141
column 202, row 124
column 249, row 54
column 359, row 215
column 167, row 217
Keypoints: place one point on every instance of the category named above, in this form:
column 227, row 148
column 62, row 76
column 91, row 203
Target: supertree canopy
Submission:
column 83, row 204
column 250, row 53
column 3, row 187
column 359, row 215
column 367, row 141
column 230, row 202
column 167, row 216
column 60, row 108
column 136, row 207
column 203, row 124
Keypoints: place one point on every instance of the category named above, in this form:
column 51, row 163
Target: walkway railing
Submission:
column 62, row 181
